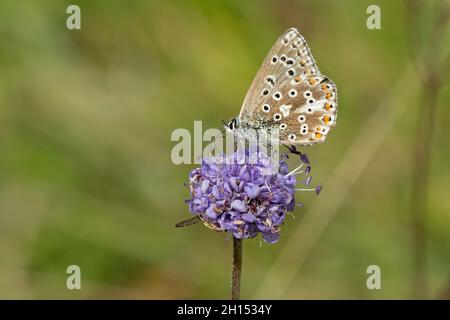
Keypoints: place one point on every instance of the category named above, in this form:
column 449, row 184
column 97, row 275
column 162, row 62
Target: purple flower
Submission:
column 247, row 197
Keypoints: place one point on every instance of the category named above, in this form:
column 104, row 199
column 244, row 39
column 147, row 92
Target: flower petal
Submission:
column 239, row 206
column 248, row 217
column 205, row 185
column 252, row 191
column 211, row 213
column 270, row 237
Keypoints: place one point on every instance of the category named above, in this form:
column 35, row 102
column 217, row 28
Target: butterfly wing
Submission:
column 306, row 111
column 289, row 93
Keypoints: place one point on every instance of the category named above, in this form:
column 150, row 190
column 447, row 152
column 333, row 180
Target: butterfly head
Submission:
column 231, row 125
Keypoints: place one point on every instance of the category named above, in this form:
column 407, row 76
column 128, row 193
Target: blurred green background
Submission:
column 86, row 176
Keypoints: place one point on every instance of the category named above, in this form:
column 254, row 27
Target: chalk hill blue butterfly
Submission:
column 289, row 95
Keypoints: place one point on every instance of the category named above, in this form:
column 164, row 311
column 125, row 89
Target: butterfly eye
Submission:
column 266, row 108
column 283, row 126
column 291, row 137
column 293, row 93
column 277, row 117
column 277, row 96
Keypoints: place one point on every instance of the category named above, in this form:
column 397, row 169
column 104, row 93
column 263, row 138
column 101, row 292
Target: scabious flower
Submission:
column 246, row 194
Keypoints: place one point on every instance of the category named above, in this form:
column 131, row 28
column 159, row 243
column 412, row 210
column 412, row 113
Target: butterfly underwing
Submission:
column 289, row 95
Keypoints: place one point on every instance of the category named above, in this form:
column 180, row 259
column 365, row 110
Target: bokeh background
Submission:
column 86, row 176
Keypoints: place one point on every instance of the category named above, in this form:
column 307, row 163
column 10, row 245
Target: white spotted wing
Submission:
column 290, row 93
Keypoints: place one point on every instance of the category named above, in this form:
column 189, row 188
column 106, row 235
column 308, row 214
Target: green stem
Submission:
column 237, row 266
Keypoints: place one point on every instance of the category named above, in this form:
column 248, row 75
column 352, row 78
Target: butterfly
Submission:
column 289, row 96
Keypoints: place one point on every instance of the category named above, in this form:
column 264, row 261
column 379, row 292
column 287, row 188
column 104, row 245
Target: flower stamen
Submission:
column 295, row 170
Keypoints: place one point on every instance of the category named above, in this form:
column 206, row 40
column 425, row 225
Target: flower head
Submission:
column 245, row 194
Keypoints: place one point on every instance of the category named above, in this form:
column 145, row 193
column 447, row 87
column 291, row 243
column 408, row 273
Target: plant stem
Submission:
column 237, row 266
column 430, row 71
column 419, row 195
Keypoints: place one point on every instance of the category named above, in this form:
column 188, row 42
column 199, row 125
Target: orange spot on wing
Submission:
column 318, row 135
column 328, row 95
column 297, row 78
column 312, row 81
column 327, row 106
column 326, row 119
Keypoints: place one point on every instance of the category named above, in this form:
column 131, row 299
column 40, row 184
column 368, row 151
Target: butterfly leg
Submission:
column 303, row 157
column 293, row 149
